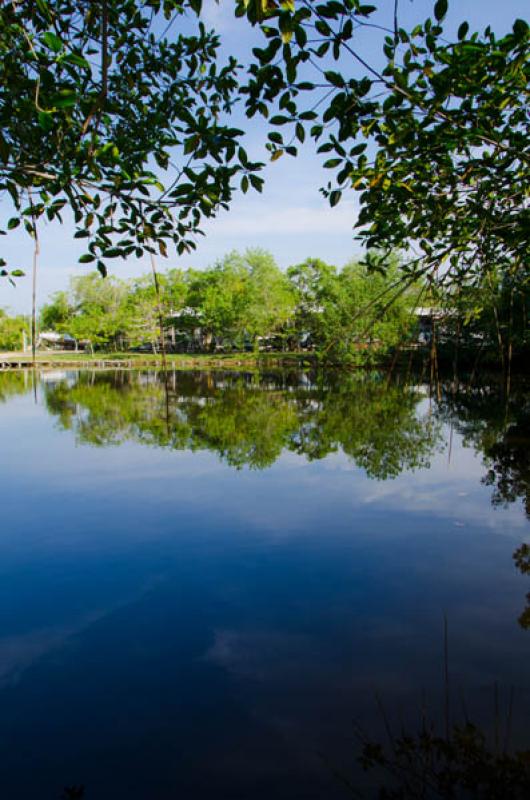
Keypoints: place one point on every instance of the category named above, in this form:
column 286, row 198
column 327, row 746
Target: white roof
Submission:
column 53, row 336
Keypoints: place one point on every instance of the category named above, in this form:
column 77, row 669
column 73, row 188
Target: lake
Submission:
column 210, row 583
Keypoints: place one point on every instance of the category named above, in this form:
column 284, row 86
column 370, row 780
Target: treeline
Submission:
column 244, row 301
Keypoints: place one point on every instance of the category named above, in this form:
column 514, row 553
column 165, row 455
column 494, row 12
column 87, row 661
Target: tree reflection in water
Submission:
column 384, row 427
column 498, row 427
column 248, row 420
column 12, row 383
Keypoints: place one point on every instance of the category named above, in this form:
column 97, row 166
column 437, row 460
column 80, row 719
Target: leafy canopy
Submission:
column 435, row 135
column 117, row 111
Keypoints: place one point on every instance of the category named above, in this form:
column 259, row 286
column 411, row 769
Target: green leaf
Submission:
column 286, row 28
column 440, row 9
column 77, row 60
column 42, row 5
column 4, row 149
column 52, row 41
column 335, row 79
column 520, row 28
column 463, row 30
column 87, row 258
column 45, row 120
column 300, row 132
column 66, row 99
column 13, row 223
column 365, row 11
column 256, row 182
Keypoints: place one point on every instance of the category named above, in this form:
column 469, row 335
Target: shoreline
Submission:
column 10, row 362
column 23, row 362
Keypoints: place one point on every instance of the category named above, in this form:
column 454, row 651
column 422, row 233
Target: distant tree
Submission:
column 141, row 318
column 490, row 316
column 101, row 311
column 315, row 285
column 175, row 289
column 12, row 330
column 357, row 313
column 56, row 314
column 372, row 310
column 270, row 299
column 218, row 296
column 240, row 298
column 242, row 295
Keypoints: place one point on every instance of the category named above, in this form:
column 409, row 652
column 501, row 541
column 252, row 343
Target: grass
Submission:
column 175, row 360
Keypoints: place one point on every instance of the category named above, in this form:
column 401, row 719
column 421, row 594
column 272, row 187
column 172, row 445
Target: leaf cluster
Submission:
column 435, row 139
column 107, row 113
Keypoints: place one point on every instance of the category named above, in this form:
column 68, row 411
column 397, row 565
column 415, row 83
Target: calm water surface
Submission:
column 203, row 594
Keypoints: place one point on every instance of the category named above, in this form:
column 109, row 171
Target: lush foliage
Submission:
column 497, row 426
column 240, row 298
column 434, row 135
column 12, row 330
column 490, row 317
column 353, row 313
column 370, row 416
column 241, row 301
column 116, row 111
column 350, row 314
column 244, row 300
column 427, row 764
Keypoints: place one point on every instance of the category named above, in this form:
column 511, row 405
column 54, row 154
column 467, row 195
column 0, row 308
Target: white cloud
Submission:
column 218, row 15
column 288, row 220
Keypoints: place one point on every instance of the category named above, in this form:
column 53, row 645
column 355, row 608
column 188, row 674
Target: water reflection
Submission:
column 498, row 427
column 249, row 420
column 13, row 383
column 199, row 596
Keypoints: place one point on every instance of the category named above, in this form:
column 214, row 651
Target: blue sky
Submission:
column 290, row 218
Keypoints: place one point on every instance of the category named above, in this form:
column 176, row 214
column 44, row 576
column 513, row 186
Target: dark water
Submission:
column 205, row 594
